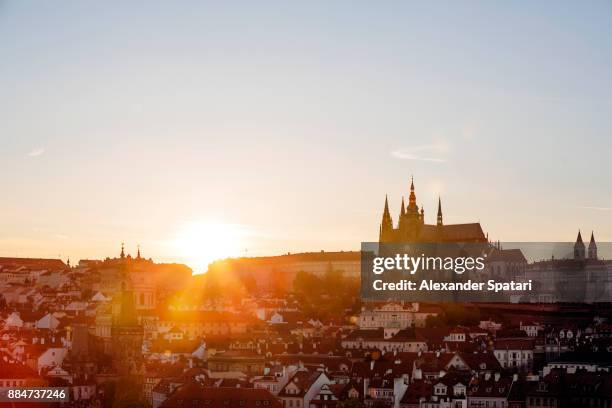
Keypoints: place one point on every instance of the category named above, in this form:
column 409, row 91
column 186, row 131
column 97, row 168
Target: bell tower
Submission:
column 592, row 248
column 579, row 248
column 126, row 335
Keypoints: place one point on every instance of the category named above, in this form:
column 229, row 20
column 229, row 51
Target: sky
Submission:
column 260, row 128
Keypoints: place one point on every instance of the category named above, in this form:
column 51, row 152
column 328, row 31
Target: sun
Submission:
column 201, row 242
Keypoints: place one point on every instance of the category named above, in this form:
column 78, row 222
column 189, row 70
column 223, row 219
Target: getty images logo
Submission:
column 412, row 264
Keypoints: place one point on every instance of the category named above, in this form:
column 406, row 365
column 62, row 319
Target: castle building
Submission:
column 583, row 277
column 411, row 226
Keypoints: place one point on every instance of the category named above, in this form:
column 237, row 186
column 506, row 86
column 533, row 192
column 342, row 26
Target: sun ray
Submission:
column 201, row 242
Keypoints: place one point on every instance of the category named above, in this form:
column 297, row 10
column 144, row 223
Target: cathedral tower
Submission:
column 413, row 209
column 386, row 225
column 579, row 248
column 592, row 248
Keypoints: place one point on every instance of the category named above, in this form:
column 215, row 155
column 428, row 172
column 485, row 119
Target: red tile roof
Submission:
column 194, row 394
column 33, row 263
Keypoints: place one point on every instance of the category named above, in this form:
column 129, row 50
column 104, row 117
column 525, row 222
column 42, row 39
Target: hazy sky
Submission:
column 289, row 121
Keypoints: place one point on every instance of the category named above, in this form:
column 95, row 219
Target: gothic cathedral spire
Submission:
column 412, row 197
column 579, row 248
column 592, row 247
column 386, row 210
column 439, row 211
column 412, row 210
column 386, row 226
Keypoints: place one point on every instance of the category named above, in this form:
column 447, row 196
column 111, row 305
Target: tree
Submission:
column 307, row 284
column 332, row 280
column 278, row 283
column 212, row 287
column 249, row 283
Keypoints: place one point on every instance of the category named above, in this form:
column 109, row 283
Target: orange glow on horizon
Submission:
column 201, row 242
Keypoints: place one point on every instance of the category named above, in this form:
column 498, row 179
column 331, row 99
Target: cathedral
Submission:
column 580, row 249
column 411, row 226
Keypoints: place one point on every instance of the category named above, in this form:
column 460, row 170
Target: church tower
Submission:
column 412, row 210
column 439, row 223
column 592, row 248
column 579, row 248
column 386, row 225
column 126, row 335
column 402, row 216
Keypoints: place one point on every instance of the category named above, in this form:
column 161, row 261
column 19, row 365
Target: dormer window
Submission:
column 440, row 390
